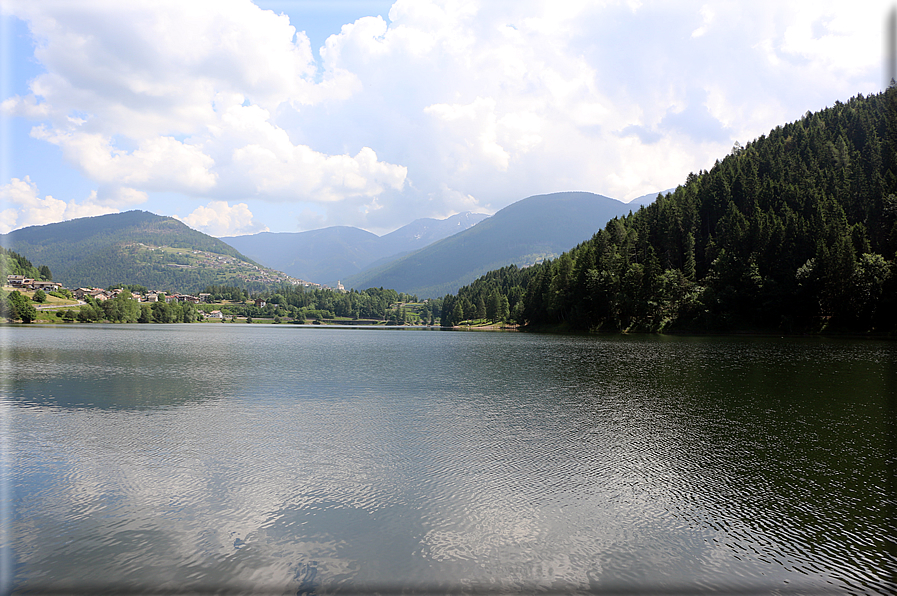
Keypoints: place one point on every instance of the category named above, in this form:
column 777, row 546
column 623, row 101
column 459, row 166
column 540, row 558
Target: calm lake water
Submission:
column 278, row 459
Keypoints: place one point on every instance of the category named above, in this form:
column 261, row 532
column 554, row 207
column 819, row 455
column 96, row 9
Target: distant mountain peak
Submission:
column 338, row 252
column 650, row 197
column 531, row 229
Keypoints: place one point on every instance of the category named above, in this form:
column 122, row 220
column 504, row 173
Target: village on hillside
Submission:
column 20, row 282
column 50, row 301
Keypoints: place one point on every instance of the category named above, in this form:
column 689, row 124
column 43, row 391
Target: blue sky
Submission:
column 289, row 115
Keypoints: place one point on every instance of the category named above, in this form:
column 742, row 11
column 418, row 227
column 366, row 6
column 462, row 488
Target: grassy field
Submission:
column 50, row 301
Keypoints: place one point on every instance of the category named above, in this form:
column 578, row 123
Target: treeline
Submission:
column 287, row 302
column 794, row 232
column 17, row 307
column 494, row 297
column 301, row 303
column 124, row 309
column 235, row 293
column 372, row 303
column 121, row 309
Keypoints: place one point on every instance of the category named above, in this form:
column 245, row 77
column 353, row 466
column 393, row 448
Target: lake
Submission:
column 309, row 460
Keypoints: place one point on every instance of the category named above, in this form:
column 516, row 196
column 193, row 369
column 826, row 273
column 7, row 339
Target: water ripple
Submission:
column 305, row 461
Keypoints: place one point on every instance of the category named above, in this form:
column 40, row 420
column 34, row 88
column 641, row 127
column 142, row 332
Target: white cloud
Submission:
column 475, row 128
column 26, row 208
column 448, row 105
column 182, row 97
column 218, row 218
column 119, row 196
column 707, row 15
column 264, row 161
column 159, row 163
column 578, row 77
column 832, row 38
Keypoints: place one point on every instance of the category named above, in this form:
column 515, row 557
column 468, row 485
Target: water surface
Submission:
column 309, row 460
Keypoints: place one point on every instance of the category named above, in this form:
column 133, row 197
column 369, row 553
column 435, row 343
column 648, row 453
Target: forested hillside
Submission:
column 12, row 263
column 135, row 247
column 793, row 232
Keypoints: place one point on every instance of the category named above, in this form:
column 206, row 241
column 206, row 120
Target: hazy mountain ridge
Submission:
column 335, row 253
column 312, row 255
column 522, row 233
column 648, row 198
column 425, row 231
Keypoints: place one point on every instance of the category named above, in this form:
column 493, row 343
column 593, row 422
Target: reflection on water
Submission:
column 197, row 457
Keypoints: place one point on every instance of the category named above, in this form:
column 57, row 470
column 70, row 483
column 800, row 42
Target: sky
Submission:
column 290, row 115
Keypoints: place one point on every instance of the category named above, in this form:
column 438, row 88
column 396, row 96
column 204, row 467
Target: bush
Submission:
column 17, row 306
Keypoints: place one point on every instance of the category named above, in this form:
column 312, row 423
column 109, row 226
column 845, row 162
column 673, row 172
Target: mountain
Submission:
column 136, row 247
column 796, row 232
column 335, row 253
column 648, row 198
column 426, row 231
column 522, row 233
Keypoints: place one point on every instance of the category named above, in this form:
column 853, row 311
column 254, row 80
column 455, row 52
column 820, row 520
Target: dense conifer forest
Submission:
column 793, row 232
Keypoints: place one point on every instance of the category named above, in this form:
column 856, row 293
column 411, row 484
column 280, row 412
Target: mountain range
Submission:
column 523, row 233
column 332, row 254
column 428, row 257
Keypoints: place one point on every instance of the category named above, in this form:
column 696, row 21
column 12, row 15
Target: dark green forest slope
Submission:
column 125, row 248
column 793, row 232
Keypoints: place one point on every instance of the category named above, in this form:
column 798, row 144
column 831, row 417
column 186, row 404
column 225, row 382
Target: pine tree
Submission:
column 688, row 268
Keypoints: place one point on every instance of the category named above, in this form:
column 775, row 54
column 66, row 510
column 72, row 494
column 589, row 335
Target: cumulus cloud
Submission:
column 25, row 207
column 265, row 162
column 475, row 126
column 444, row 106
column 503, row 101
column 159, row 163
column 218, row 218
column 135, row 97
column 826, row 37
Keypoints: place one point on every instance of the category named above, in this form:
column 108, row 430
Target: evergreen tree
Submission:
column 457, row 314
column 688, row 268
column 480, row 309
